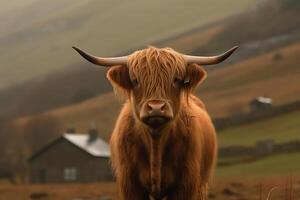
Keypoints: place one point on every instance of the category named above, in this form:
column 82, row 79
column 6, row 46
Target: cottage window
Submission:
column 70, row 174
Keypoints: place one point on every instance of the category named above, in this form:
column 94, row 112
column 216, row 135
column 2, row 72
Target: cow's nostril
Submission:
column 162, row 108
column 149, row 107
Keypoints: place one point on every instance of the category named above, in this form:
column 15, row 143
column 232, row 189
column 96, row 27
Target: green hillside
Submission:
column 282, row 128
column 276, row 165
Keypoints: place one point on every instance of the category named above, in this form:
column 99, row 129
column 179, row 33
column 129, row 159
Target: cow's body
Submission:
column 187, row 151
column 164, row 143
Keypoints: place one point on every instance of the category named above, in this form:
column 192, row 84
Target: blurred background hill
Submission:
column 31, row 71
column 45, row 87
column 36, row 55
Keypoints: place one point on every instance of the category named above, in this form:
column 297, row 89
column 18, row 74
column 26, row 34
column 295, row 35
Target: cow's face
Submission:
column 156, row 81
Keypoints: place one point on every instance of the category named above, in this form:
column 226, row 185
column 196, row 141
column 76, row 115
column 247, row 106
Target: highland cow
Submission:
column 164, row 144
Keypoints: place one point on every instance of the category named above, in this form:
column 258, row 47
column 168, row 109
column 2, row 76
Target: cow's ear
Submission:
column 119, row 76
column 195, row 74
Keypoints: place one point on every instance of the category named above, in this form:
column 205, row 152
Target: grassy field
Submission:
column 275, row 165
column 281, row 128
column 103, row 27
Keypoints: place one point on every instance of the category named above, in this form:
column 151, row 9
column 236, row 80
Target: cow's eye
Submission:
column 134, row 82
column 178, row 82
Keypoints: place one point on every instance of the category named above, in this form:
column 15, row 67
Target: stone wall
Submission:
column 244, row 118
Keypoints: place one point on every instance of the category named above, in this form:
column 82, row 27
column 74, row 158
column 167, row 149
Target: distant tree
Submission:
column 40, row 130
column 19, row 141
column 5, row 128
column 11, row 149
column 4, row 163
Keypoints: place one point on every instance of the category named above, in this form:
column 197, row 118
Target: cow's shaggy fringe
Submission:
column 144, row 66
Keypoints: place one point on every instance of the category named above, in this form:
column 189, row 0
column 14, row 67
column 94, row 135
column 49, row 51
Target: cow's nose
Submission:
column 156, row 113
column 156, row 107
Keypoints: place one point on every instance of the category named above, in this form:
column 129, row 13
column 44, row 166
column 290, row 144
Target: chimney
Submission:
column 71, row 128
column 93, row 132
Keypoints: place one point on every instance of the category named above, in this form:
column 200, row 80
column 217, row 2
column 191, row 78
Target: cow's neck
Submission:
column 155, row 166
column 158, row 139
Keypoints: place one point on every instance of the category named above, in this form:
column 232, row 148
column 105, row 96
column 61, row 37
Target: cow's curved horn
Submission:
column 102, row 61
column 209, row 60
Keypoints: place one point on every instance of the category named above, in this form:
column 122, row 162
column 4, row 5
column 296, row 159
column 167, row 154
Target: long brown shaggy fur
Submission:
column 178, row 162
column 156, row 67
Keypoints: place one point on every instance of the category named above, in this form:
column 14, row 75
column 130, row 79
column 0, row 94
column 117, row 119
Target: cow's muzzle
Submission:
column 156, row 113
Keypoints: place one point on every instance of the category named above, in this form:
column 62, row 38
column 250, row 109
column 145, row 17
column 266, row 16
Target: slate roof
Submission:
column 95, row 148
column 264, row 100
column 98, row 148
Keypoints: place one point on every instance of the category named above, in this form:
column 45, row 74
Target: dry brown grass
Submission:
column 222, row 189
column 57, row 191
column 271, row 188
